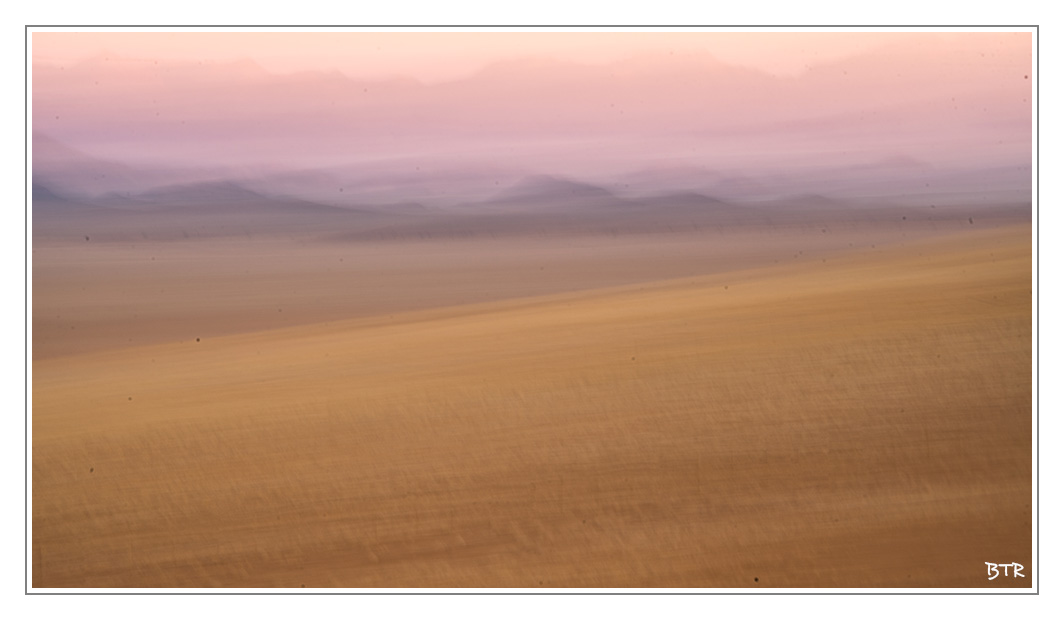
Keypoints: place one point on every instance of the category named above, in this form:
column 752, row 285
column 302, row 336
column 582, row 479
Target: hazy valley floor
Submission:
column 652, row 411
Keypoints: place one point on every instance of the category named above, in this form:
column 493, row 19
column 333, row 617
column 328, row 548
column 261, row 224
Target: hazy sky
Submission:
column 438, row 56
column 556, row 102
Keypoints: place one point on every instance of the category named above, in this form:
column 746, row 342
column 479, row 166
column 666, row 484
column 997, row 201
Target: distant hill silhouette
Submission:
column 47, row 203
column 545, row 193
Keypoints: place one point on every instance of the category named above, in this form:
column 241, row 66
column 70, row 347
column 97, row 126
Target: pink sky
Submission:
column 562, row 102
column 438, row 56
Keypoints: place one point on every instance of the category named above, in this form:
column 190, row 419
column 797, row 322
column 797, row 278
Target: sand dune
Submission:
column 129, row 279
column 855, row 417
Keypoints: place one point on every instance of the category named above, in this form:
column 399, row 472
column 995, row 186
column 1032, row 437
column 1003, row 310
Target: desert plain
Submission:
column 829, row 401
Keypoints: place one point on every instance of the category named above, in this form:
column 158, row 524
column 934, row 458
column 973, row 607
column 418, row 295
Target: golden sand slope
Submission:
column 864, row 421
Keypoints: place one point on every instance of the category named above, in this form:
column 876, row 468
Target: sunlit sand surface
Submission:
column 697, row 411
